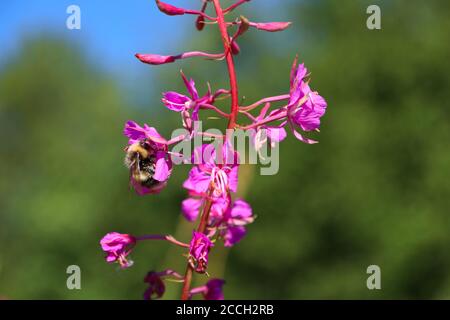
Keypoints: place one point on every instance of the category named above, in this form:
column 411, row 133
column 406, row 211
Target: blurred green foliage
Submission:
column 374, row 191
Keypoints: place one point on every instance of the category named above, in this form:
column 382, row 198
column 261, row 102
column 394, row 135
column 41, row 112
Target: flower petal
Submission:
column 214, row 289
column 190, row 208
column 301, row 138
column 162, row 168
column 276, row 134
column 190, row 86
column 133, row 131
column 233, row 176
column 233, row 235
column 197, row 181
column 175, row 101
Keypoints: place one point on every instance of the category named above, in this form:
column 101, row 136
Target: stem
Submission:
column 187, row 282
column 214, row 108
column 201, row 228
column 230, row 62
column 170, row 272
column 231, row 125
column 265, row 100
column 234, row 6
column 220, row 92
column 280, row 116
column 248, row 115
column 190, row 54
column 201, row 13
column 206, row 211
column 163, row 237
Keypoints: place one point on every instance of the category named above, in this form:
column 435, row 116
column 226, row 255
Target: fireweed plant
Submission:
column 213, row 179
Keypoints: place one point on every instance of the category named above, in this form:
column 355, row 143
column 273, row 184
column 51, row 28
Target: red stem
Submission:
column 234, row 6
column 201, row 228
column 187, row 282
column 230, row 62
column 231, row 125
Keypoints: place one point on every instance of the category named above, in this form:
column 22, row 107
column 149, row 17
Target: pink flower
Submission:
column 309, row 114
column 178, row 102
column 235, row 219
column 211, row 291
column 184, row 104
column 305, row 107
column 240, row 214
column 225, row 219
column 199, row 250
column 118, row 246
column 156, row 287
column 216, row 169
column 155, row 281
column 214, row 289
column 147, row 158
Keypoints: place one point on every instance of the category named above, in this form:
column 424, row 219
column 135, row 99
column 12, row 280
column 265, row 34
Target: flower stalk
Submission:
column 168, row 238
column 213, row 179
column 230, row 63
column 185, row 292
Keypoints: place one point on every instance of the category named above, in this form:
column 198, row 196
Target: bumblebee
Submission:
column 141, row 162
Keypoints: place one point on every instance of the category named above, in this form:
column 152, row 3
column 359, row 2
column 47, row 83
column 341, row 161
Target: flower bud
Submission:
column 200, row 23
column 154, row 59
column 235, row 49
column 199, row 250
column 272, row 26
column 169, row 9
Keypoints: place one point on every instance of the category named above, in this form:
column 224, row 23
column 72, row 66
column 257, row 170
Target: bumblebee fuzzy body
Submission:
column 141, row 163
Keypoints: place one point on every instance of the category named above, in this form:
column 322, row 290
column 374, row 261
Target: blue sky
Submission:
column 111, row 31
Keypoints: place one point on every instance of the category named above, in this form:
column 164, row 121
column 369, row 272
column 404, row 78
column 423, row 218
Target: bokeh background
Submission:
column 374, row 191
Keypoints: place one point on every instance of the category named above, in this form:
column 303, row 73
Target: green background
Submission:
column 375, row 190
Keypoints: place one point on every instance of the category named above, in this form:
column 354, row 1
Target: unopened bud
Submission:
column 235, row 49
column 154, row 59
column 169, row 9
column 272, row 26
column 200, row 23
